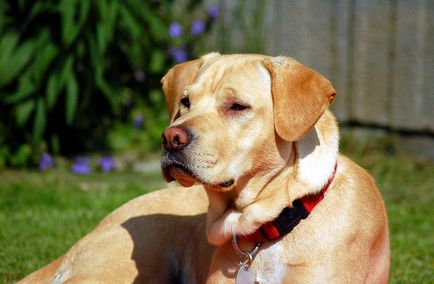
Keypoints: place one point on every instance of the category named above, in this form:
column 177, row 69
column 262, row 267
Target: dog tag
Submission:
column 244, row 275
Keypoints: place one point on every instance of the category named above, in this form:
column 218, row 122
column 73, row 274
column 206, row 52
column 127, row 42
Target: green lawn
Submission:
column 42, row 214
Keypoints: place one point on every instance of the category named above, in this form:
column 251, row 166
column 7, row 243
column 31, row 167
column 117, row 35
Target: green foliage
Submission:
column 22, row 156
column 71, row 69
column 4, row 154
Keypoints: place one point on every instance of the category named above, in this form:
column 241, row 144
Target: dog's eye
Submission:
column 238, row 107
column 185, row 102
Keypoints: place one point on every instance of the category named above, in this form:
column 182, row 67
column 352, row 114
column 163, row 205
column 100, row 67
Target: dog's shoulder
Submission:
column 172, row 201
column 356, row 188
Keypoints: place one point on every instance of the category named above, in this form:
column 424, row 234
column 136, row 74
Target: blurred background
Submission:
column 81, row 107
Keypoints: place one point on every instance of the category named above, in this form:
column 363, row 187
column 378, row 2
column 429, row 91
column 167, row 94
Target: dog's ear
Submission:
column 174, row 82
column 300, row 96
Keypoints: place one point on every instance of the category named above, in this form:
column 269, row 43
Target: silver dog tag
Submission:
column 244, row 275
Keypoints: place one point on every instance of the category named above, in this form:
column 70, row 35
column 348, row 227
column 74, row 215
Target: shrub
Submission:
column 72, row 69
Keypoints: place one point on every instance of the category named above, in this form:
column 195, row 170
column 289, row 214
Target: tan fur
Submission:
column 300, row 96
column 282, row 146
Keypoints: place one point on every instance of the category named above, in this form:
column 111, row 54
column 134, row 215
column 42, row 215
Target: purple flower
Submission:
column 175, row 30
column 213, row 11
column 81, row 166
column 197, row 27
column 139, row 75
column 178, row 54
column 107, row 163
column 46, row 162
column 138, row 121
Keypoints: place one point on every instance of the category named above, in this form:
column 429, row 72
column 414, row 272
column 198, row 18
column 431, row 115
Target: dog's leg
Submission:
column 222, row 222
column 218, row 205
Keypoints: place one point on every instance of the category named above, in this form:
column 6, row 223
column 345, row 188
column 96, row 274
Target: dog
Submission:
column 275, row 203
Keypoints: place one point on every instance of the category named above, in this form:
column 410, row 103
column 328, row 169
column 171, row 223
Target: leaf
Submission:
column 106, row 26
column 73, row 14
column 39, row 122
column 66, row 71
column 71, row 98
column 25, row 89
column 38, row 8
column 53, row 90
column 98, row 68
column 11, row 66
column 158, row 28
column 55, row 144
column 129, row 22
column 42, row 61
column 23, row 112
column 57, row 81
column 8, row 43
column 31, row 77
column 84, row 12
column 67, row 12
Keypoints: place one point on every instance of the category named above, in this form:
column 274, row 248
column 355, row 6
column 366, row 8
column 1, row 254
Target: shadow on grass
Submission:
column 168, row 248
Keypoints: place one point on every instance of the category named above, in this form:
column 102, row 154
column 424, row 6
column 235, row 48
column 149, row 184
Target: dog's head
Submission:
column 235, row 116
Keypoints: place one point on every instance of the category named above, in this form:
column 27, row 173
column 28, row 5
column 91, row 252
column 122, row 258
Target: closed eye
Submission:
column 238, row 107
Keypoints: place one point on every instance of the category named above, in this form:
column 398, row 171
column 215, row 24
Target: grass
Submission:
column 43, row 214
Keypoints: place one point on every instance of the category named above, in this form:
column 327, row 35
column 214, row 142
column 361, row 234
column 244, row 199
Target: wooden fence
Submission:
column 378, row 53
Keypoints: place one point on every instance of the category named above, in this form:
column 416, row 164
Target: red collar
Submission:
column 290, row 216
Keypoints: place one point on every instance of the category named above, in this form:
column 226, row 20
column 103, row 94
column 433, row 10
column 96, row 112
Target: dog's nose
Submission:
column 175, row 138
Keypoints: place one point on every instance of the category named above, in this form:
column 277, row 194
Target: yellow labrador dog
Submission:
column 276, row 204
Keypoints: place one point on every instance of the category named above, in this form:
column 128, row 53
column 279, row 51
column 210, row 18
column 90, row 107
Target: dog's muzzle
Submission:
column 174, row 162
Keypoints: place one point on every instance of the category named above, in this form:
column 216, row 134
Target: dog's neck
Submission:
column 317, row 155
column 265, row 185
column 309, row 166
column 259, row 198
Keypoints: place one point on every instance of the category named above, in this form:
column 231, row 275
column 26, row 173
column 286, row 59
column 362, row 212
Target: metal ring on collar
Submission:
column 247, row 262
column 240, row 252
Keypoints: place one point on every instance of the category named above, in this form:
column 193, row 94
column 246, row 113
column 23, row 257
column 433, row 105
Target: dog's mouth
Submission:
column 175, row 170
column 180, row 173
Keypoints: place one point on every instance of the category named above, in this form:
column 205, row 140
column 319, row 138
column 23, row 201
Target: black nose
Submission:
column 175, row 138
